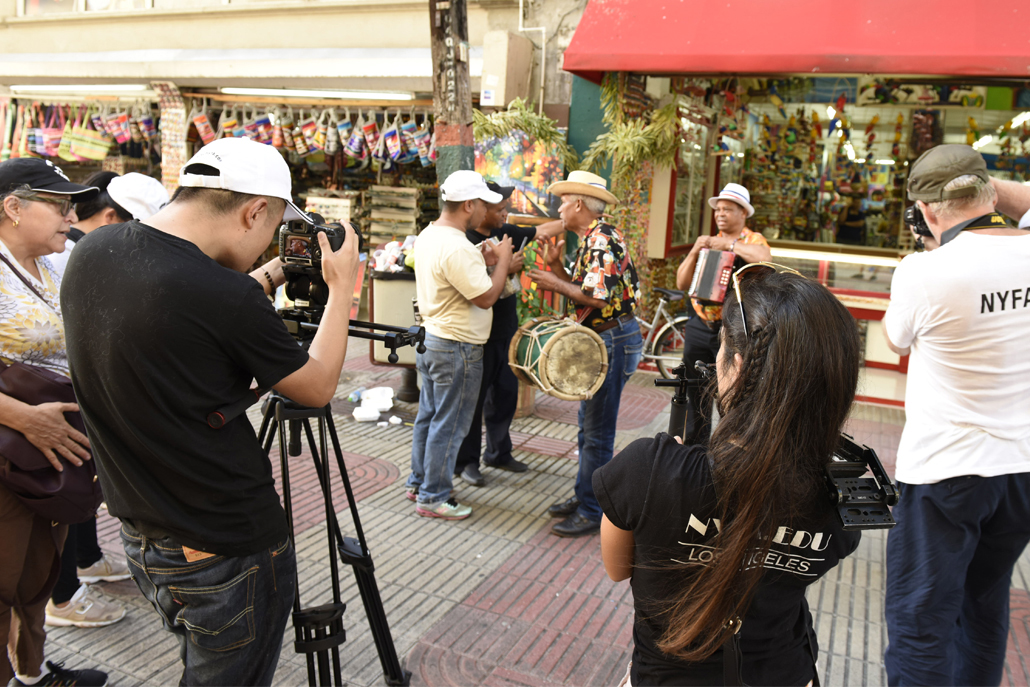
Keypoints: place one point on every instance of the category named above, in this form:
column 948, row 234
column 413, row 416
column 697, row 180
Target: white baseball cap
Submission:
column 467, row 185
column 245, row 166
column 141, row 196
column 738, row 194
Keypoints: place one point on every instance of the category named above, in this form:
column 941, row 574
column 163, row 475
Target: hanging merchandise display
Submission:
column 288, row 123
column 392, row 136
column 408, row 131
column 423, row 139
column 300, row 145
column 308, row 127
column 355, row 147
column 200, row 119
column 332, row 133
column 344, row 127
column 370, row 130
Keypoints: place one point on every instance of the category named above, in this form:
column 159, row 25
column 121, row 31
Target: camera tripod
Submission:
column 319, row 629
column 681, row 414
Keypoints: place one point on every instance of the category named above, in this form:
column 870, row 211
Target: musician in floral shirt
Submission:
column 603, row 289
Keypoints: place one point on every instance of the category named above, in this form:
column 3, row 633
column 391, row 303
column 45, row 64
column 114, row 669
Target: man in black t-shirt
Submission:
column 164, row 327
column 498, row 395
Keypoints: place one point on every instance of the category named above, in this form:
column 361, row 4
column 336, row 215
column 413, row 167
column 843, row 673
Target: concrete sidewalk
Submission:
column 496, row 599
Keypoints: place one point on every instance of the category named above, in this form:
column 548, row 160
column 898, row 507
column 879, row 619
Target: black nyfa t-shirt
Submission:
column 159, row 335
column 663, row 493
column 506, row 320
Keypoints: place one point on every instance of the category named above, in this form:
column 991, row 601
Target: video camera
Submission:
column 914, row 218
column 301, row 256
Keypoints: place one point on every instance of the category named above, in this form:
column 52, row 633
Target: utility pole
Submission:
column 452, row 91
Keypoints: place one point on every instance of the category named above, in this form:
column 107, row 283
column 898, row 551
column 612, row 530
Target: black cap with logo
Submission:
column 505, row 191
column 41, row 175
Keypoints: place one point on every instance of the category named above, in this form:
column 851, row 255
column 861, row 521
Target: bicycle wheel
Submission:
column 668, row 346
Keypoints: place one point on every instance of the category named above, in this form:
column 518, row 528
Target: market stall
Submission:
column 814, row 117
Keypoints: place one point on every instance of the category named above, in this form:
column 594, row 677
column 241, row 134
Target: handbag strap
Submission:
column 21, row 276
column 732, row 658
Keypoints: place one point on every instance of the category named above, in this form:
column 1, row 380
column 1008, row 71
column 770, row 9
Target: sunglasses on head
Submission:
column 736, row 284
column 64, row 205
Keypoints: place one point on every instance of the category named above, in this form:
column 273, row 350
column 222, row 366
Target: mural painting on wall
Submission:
column 530, row 166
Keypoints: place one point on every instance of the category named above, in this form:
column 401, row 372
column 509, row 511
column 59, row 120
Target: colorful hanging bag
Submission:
column 90, row 143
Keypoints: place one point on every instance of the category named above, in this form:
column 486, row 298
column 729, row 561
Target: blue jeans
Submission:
column 229, row 614
column 451, row 374
column 598, row 415
column 949, row 570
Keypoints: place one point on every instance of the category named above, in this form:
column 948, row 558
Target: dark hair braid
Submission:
column 756, row 353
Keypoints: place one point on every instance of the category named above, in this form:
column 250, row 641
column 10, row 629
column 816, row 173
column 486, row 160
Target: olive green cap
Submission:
column 938, row 166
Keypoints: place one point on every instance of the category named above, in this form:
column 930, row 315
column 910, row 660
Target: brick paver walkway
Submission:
column 495, row 599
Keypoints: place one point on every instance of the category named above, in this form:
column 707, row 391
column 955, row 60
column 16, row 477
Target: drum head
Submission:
column 576, row 363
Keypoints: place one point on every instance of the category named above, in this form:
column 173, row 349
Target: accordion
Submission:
column 712, row 275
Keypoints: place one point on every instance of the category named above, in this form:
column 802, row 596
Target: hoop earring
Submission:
column 16, row 223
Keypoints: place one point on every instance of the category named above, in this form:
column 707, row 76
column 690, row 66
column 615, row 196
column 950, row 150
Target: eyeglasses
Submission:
column 64, row 205
column 736, row 284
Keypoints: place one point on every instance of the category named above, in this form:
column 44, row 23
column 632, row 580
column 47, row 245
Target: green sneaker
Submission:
column 448, row 510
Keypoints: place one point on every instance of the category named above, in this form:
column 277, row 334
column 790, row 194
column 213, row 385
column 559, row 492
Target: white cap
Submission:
column 738, row 194
column 467, row 185
column 139, row 195
column 245, row 166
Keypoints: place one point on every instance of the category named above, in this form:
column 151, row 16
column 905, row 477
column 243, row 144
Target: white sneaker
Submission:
column 107, row 569
column 87, row 608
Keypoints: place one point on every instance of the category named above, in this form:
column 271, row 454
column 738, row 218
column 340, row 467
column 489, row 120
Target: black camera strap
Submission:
column 992, row 220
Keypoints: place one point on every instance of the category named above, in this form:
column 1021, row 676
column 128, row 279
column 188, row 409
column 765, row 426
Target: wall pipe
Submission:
column 543, row 54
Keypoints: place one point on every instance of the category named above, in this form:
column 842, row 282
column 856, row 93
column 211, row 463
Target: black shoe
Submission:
column 510, row 466
column 564, row 509
column 472, row 475
column 576, row 525
column 59, row 676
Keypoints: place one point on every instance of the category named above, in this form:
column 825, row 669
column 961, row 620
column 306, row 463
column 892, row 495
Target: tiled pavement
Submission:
column 495, row 599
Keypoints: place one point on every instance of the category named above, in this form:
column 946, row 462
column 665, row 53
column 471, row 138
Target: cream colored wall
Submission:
column 374, row 24
column 371, row 23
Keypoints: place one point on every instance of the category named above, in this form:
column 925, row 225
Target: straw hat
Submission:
column 583, row 184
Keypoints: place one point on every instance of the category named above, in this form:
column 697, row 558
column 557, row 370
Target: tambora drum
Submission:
column 560, row 357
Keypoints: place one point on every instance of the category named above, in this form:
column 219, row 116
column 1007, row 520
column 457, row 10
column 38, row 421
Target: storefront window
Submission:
column 690, row 183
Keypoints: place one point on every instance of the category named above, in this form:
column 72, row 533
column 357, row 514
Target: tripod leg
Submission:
column 266, row 420
column 284, row 471
column 355, row 552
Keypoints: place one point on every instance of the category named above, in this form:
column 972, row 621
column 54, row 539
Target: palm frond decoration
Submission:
column 520, row 117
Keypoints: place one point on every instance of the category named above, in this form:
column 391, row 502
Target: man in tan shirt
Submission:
column 455, row 296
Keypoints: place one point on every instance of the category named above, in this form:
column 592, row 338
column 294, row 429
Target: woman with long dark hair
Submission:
column 721, row 544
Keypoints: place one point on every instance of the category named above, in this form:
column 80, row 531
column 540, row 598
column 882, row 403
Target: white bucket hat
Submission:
column 738, row 194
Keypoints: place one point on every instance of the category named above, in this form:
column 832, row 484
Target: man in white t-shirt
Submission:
column 455, row 297
column 963, row 311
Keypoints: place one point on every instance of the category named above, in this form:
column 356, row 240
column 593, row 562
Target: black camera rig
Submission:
column 914, row 218
column 862, row 502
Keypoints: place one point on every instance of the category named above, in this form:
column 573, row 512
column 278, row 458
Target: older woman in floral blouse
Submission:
column 35, row 213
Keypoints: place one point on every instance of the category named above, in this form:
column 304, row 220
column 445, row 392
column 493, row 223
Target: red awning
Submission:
column 885, row 37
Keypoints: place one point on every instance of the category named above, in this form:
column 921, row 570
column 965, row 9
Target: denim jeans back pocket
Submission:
column 439, row 364
column 221, row 617
column 473, row 353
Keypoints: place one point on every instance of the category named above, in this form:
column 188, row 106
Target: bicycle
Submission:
column 664, row 344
